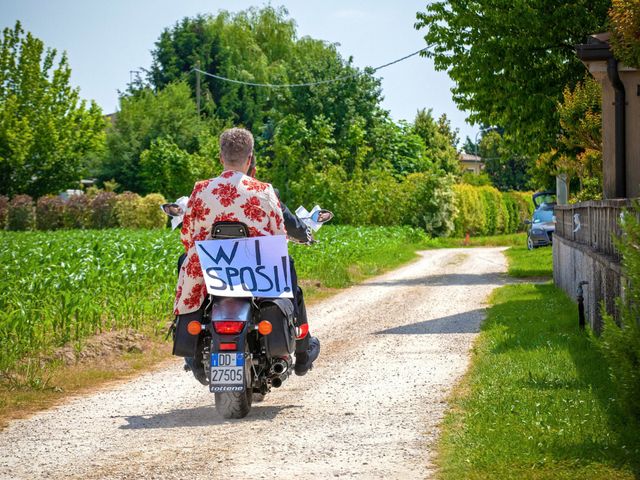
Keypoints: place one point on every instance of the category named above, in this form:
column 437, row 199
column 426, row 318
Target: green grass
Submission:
column 505, row 240
column 63, row 286
column 536, row 402
column 530, row 263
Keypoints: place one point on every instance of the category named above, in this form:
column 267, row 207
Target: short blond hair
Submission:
column 236, row 145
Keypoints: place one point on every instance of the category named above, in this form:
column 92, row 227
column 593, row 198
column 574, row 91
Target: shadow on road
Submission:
column 199, row 417
column 448, row 279
column 466, row 322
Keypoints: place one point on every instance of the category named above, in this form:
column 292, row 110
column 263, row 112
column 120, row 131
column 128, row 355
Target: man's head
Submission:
column 236, row 148
column 252, row 165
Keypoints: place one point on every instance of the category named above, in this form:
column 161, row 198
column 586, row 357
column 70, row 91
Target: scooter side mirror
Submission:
column 322, row 216
column 172, row 209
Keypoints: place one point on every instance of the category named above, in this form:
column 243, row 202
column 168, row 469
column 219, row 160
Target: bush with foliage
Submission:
column 377, row 197
column 4, row 209
column 621, row 342
column 166, row 168
column 77, row 212
column 49, row 213
column 21, row 215
column 520, row 208
column 487, row 211
column 103, row 213
column 578, row 153
column 149, row 213
column 476, row 179
column 127, row 210
column 624, row 20
column 430, row 203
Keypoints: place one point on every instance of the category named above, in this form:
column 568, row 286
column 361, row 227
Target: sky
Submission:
column 106, row 40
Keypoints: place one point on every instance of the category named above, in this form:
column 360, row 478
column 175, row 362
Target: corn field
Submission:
column 62, row 286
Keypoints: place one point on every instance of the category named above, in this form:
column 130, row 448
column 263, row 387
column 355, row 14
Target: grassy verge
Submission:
column 530, row 263
column 536, row 402
column 507, row 240
column 82, row 283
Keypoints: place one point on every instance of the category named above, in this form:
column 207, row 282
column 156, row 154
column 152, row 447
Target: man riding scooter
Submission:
column 236, row 197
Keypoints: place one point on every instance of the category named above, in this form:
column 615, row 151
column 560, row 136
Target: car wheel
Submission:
column 530, row 244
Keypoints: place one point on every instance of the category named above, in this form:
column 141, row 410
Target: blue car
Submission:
column 543, row 223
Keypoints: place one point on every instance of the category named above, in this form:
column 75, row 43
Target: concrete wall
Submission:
column 573, row 263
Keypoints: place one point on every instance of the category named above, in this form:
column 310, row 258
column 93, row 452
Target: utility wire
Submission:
column 309, row 84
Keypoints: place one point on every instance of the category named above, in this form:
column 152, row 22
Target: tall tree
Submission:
column 624, row 19
column 147, row 116
column 438, row 139
column 48, row 135
column 508, row 170
column 261, row 46
column 511, row 59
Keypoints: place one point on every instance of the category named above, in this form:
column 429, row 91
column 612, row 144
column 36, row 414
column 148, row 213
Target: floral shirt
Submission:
column 231, row 197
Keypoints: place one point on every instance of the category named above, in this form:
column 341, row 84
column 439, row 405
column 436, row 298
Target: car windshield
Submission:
column 543, row 215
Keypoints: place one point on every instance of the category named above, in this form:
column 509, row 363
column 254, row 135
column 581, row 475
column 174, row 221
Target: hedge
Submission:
column 423, row 200
column 100, row 210
column 21, row 215
column 487, row 211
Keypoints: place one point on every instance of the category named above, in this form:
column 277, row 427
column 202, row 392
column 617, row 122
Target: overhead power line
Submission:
column 308, row 84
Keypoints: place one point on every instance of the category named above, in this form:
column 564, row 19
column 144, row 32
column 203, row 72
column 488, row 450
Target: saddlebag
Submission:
column 282, row 339
column 185, row 344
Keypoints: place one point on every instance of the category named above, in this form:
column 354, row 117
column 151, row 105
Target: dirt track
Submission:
column 392, row 348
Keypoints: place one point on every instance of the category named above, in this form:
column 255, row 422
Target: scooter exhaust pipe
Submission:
column 276, row 382
column 280, row 367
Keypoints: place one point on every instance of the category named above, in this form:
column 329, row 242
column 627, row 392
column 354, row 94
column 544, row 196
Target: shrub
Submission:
column 21, row 215
column 621, row 343
column 487, row 211
column 470, row 217
column 103, row 210
column 149, row 213
column 49, row 213
column 430, row 203
column 376, row 197
column 77, row 212
column 127, row 210
column 4, row 209
column 624, row 20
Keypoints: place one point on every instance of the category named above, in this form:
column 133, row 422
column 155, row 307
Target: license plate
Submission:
column 227, row 372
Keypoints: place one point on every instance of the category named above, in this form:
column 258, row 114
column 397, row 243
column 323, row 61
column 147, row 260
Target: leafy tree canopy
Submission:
column 506, row 169
column 332, row 127
column 261, row 46
column 48, row 136
column 624, row 19
column 170, row 119
column 511, row 59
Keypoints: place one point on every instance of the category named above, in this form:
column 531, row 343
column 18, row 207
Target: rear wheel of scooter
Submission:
column 258, row 397
column 237, row 404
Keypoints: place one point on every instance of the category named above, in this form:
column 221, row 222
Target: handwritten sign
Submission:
column 246, row 267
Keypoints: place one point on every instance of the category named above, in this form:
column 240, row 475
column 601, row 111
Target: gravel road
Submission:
column 392, row 348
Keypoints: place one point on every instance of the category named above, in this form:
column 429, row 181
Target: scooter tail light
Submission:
column 228, row 328
column 302, row 331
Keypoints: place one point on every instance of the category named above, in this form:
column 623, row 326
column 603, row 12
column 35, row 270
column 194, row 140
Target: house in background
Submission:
column 583, row 246
column 471, row 163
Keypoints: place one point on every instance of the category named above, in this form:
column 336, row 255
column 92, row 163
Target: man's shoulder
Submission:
column 253, row 185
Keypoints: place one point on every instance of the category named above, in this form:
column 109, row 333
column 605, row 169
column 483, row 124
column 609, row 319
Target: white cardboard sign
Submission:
column 246, row 267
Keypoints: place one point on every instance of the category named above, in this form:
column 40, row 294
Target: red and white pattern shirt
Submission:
column 231, row 197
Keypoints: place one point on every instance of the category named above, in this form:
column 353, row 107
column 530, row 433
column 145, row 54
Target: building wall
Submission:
column 473, row 167
column 631, row 80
